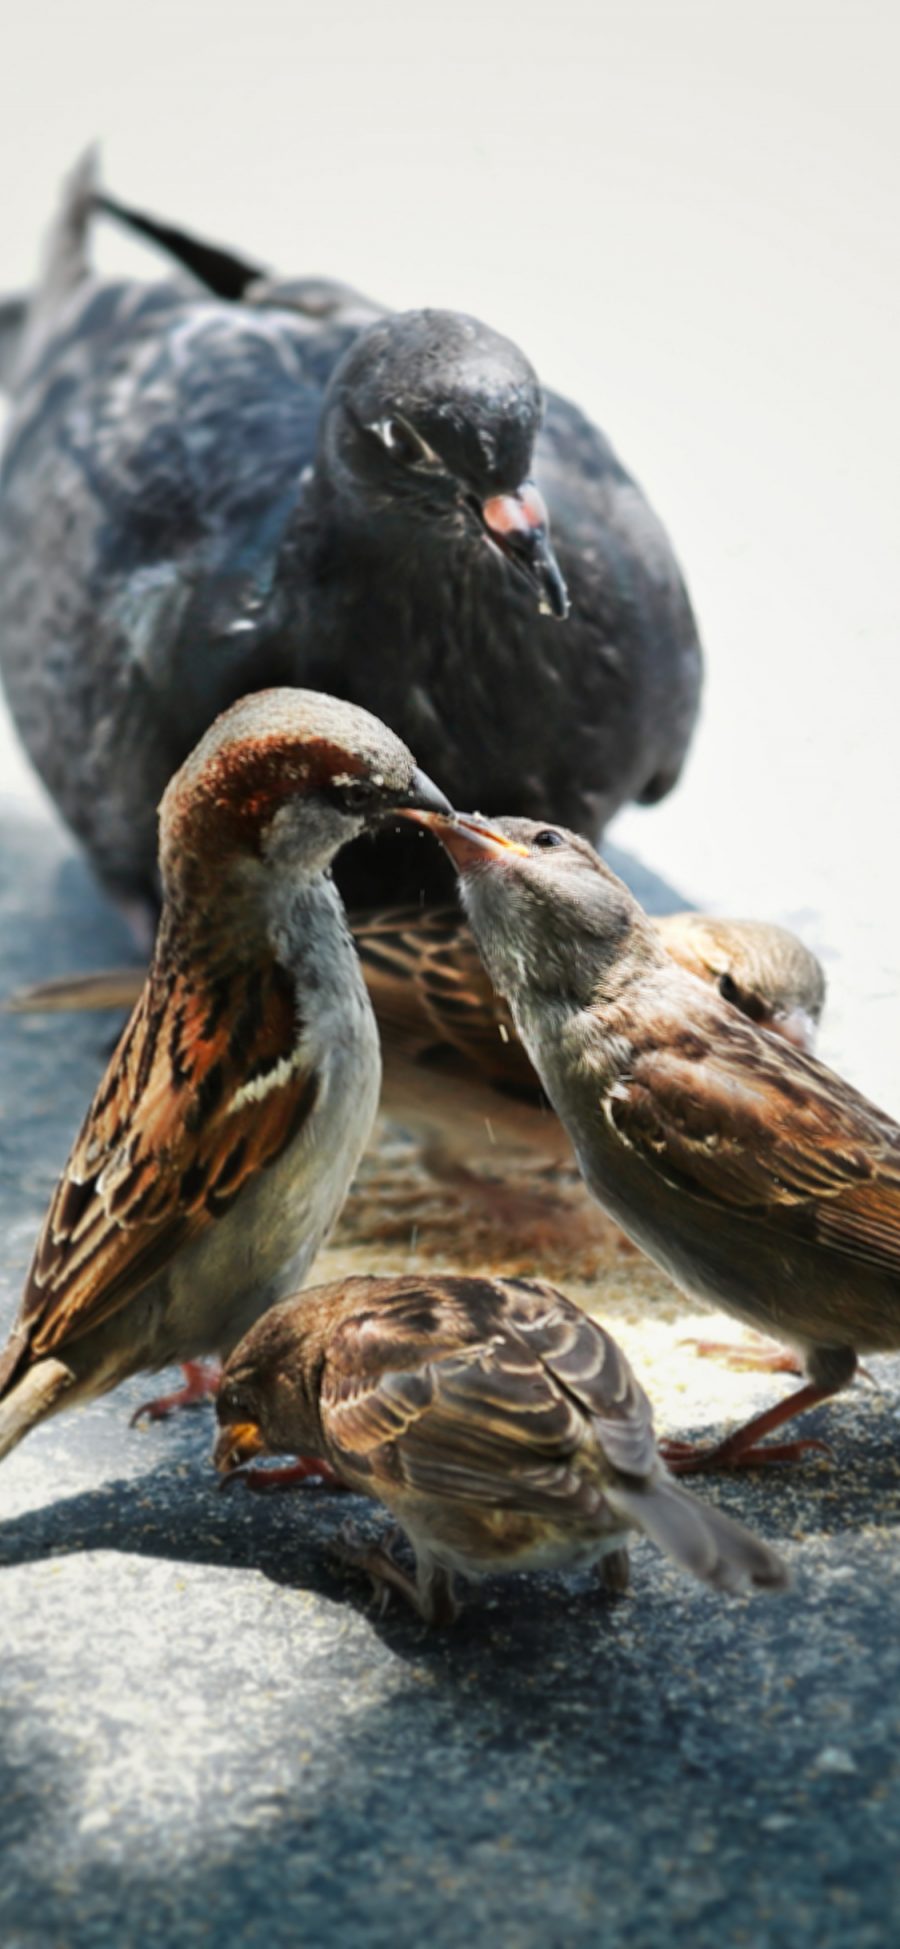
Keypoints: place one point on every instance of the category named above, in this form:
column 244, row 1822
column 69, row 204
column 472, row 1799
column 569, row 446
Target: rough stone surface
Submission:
column 207, row 1734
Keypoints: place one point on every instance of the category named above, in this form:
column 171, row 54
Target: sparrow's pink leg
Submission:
column 201, row 1383
column 747, row 1447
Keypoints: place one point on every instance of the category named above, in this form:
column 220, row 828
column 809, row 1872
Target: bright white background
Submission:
column 688, row 216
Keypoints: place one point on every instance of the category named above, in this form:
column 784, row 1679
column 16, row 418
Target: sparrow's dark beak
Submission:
column 425, row 796
column 519, row 526
column 469, row 842
column 237, row 1445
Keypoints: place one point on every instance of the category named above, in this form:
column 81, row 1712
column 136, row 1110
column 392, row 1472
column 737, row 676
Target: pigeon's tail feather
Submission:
column 65, row 268
column 30, row 1400
column 223, row 273
column 66, row 262
column 700, row 1537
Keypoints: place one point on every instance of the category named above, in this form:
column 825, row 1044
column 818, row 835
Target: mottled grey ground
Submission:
column 206, row 1732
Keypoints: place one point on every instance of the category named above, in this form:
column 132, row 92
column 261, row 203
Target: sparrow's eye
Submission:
column 354, row 794
column 548, row 838
column 233, row 1404
column 403, row 443
column 729, row 989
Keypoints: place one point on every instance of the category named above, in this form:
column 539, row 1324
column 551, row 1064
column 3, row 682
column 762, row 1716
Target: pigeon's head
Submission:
column 430, row 423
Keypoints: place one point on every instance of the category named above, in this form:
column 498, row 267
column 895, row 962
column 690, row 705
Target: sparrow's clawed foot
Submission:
column 747, row 1447
column 432, row 1600
column 201, row 1383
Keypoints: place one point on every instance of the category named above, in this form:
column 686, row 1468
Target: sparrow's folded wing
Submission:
column 203, row 1091
column 432, row 996
column 757, row 1128
column 506, row 1416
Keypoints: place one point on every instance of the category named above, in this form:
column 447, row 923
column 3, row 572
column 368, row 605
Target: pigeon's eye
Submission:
column 548, row 838
column 728, row 989
column 403, row 443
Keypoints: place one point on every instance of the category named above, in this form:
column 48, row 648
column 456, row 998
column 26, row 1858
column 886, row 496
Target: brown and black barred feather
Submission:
column 484, row 1390
column 139, row 1184
column 752, row 1129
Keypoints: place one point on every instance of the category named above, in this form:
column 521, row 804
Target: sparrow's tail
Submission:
column 223, row 273
column 107, row 988
column 700, row 1537
column 30, row 1399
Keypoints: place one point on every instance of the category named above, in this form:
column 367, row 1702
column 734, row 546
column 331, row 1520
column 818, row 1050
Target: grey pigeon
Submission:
column 229, row 481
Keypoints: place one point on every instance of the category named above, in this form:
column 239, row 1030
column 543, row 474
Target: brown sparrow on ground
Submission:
column 501, row 1426
column 758, row 1179
column 221, row 1142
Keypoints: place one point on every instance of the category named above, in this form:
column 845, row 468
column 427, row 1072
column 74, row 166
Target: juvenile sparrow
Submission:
column 758, row 1179
column 202, row 495
column 221, row 1142
column 501, row 1426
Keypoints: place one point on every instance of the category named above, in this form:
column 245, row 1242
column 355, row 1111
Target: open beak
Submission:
column 236, row 1445
column 519, row 526
column 469, row 842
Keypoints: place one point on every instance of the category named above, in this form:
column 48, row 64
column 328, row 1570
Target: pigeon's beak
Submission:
column 518, row 525
column 236, row 1445
column 469, row 842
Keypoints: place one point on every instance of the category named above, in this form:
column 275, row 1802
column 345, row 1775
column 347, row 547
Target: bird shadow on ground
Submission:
column 176, row 1511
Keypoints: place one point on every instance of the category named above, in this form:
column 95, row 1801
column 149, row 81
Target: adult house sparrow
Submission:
column 222, row 1140
column 501, row 1426
column 454, row 1070
column 758, row 1179
column 202, row 495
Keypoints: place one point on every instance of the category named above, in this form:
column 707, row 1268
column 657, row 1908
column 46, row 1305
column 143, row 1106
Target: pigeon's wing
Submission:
column 496, row 1392
column 596, row 505
column 178, row 429
column 629, row 606
column 189, row 1110
column 750, row 1125
column 155, row 463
